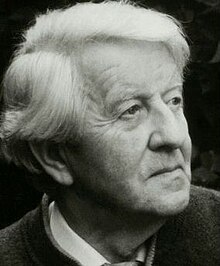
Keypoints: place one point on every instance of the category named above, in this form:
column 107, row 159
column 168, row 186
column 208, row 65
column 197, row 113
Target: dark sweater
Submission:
column 190, row 238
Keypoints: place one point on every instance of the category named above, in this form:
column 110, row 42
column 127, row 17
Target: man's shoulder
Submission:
column 203, row 208
column 200, row 222
column 208, row 199
column 13, row 242
column 193, row 236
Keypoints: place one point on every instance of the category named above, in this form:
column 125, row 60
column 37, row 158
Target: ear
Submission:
column 51, row 161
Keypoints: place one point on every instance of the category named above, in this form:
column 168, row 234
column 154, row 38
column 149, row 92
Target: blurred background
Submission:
column 201, row 22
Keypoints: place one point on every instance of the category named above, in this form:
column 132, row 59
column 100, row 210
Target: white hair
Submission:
column 44, row 89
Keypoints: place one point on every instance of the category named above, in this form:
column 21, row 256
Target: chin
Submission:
column 173, row 204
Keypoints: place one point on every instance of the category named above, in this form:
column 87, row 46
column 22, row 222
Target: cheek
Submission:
column 118, row 153
column 128, row 146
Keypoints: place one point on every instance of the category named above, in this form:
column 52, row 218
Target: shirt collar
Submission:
column 74, row 245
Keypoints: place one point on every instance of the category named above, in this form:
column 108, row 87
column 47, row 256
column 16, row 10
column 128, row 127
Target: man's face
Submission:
column 136, row 149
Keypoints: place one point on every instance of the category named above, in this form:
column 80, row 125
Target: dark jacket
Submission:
column 190, row 238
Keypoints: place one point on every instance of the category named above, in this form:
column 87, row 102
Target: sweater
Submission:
column 189, row 238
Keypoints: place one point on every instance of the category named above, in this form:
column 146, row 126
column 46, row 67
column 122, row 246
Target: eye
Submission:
column 176, row 102
column 132, row 111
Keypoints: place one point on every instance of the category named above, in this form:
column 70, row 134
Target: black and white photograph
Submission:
column 110, row 133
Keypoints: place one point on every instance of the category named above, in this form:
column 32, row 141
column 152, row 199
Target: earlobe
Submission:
column 52, row 164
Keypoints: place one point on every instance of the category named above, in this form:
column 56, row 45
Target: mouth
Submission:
column 166, row 170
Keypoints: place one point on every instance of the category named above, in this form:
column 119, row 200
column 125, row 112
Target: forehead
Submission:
column 138, row 65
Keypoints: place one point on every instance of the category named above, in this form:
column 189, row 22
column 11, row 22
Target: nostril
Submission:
column 165, row 141
column 167, row 148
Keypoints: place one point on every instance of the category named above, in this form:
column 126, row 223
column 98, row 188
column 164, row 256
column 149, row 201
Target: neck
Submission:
column 116, row 234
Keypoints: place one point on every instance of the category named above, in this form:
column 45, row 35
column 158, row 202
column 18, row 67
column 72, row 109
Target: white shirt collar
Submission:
column 74, row 245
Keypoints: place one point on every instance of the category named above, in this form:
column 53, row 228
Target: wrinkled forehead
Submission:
column 138, row 64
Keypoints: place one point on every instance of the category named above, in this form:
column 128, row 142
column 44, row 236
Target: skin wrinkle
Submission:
column 104, row 118
column 163, row 159
column 114, row 84
column 120, row 153
column 75, row 32
column 110, row 81
column 126, row 91
column 105, row 132
column 105, row 77
column 178, row 87
column 123, row 90
column 126, row 128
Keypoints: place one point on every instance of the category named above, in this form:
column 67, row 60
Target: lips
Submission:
column 166, row 170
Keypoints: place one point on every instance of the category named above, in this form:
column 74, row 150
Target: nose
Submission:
column 169, row 130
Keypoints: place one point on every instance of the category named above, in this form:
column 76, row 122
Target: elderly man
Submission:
column 94, row 107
